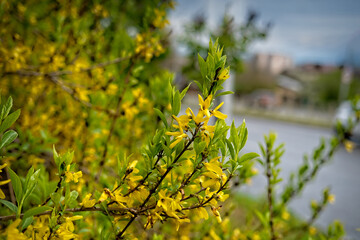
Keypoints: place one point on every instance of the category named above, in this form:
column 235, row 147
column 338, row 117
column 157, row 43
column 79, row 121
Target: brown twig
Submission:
column 113, row 210
column 57, row 189
column 153, row 190
column 27, row 73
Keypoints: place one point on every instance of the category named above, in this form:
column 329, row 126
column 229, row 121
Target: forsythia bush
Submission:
column 103, row 149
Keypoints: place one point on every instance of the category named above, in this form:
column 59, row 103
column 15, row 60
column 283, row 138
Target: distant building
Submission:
column 317, row 68
column 271, row 63
column 288, row 90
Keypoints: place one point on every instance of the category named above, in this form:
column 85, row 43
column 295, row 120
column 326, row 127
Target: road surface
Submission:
column 342, row 174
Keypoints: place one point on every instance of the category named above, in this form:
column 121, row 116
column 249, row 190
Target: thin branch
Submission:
column 27, row 73
column 269, row 193
column 153, row 190
column 113, row 211
column 57, row 189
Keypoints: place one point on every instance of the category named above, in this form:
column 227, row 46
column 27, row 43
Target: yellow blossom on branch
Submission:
column 71, row 176
column 201, row 213
column 86, row 202
column 331, row 198
column 224, row 74
column 2, row 195
column 217, row 113
column 215, row 211
column 205, row 104
column 13, row 233
column 67, row 228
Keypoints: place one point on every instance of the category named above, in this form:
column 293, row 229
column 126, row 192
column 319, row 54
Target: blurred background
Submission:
column 294, row 65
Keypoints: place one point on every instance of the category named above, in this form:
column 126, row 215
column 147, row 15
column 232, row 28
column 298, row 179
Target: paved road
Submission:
column 342, row 174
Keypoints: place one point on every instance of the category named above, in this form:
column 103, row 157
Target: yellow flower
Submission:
column 216, row 213
column 2, row 167
column 2, row 195
column 224, row 74
column 214, row 174
column 199, row 118
column 82, row 94
column 41, row 228
column 86, row 202
column 255, row 237
column 179, row 136
column 160, row 19
column 169, row 205
column 207, row 133
column 222, row 197
column 213, row 166
column 201, row 213
column 285, row 215
column 179, row 221
column 13, row 233
column 183, row 122
column 112, row 89
column 66, row 229
column 204, row 105
column 103, row 196
column 312, row 231
column 217, row 113
column 71, row 176
column 349, row 145
column 331, row 198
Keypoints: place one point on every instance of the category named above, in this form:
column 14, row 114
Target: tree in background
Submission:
column 235, row 38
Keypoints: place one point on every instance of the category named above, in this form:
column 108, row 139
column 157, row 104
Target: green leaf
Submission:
column 248, row 156
column 68, row 157
column 224, row 93
column 261, row 217
column 28, row 176
column 233, row 133
column 203, row 67
column 17, row 186
column 35, row 211
column 57, row 158
column 7, row 138
column 162, row 116
column 6, row 108
column 231, row 149
column 55, row 197
column 199, row 148
column 243, row 136
column 183, row 92
column 9, row 120
column 199, row 85
column 71, row 202
column 176, row 106
column 26, row 222
column 31, row 184
column 10, row 205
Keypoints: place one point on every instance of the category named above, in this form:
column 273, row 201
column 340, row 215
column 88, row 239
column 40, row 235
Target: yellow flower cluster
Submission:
column 148, row 46
column 71, row 176
column 201, row 119
column 160, row 20
column 66, row 229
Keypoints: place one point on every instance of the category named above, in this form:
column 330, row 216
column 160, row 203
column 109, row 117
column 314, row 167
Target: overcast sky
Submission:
column 317, row 31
